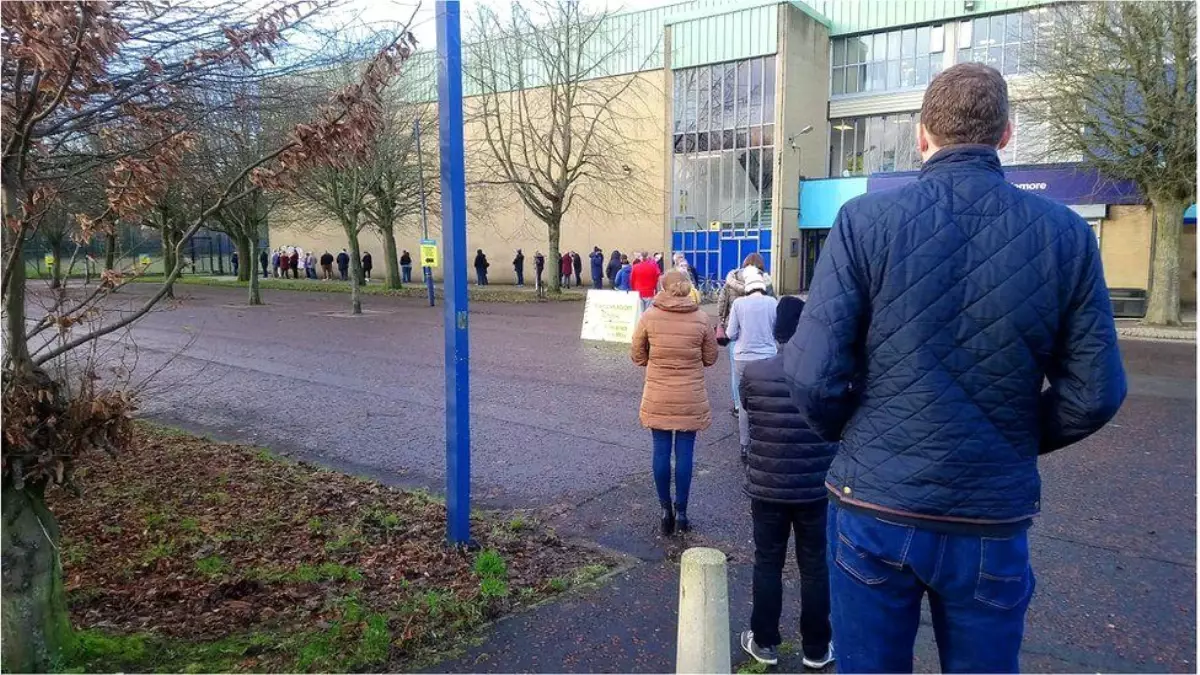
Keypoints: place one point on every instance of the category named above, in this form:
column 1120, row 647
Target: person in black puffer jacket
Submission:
column 785, row 480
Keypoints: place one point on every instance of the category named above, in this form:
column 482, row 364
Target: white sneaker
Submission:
column 817, row 664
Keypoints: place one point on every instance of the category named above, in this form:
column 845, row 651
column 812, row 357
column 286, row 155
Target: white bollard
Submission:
column 703, row 640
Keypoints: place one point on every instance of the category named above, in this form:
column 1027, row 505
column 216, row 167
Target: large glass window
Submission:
column 724, row 176
column 865, row 145
column 895, row 60
column 1006, row 42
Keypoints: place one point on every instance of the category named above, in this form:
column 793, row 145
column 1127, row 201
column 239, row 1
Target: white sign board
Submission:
column 610, row 316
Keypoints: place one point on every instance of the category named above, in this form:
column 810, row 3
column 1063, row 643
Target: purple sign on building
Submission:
column 1065, row 184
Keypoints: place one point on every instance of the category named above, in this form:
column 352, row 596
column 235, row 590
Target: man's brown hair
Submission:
column 967, row 103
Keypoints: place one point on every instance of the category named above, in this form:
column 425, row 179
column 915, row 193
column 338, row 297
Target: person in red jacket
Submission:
column 566, row 267
column 644, row 279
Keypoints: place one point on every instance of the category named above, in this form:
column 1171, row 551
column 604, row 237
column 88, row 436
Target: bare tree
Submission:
column 1119, row 83
column 398, row 183
column 77, row 78
column 549, row 121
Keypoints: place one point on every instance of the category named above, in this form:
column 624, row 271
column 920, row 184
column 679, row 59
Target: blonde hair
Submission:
column 676, row 283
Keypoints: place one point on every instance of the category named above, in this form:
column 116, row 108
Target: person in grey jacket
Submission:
column 752, row 330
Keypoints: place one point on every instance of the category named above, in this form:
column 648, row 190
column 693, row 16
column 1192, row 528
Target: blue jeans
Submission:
column 979, row 589
column 685, row 443
column 406, row 273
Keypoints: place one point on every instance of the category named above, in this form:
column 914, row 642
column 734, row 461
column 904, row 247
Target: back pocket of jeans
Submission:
column 868, row 549
column 1005, row 576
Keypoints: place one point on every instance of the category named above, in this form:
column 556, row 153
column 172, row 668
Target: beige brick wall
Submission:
column 625, row 218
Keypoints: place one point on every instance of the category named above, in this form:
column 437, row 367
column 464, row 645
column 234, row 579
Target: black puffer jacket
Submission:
column 787, row 461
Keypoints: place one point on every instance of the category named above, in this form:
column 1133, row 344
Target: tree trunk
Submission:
column 245, row 251
column 390, row 257
column 553, row 229
column 255, row 296
column 14, row 297
column 56, row 272
column 168, row 246
column 1162, row 309
column 36, row 627
column 355, row 270
column 110, row 250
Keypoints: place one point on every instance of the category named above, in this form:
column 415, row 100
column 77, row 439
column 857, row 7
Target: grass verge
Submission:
column 508, row 294
column 189, row 555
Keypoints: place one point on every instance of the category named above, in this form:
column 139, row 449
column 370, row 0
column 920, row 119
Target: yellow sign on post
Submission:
column 144, row 260
column 429, row 253
column 49, row 260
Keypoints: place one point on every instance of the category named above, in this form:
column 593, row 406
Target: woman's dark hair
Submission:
column 787, row 317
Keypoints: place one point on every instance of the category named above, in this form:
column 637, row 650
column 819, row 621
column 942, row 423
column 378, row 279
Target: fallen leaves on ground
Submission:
column 194, row 541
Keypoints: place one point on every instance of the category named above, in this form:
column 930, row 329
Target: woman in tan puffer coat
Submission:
column 674, row 341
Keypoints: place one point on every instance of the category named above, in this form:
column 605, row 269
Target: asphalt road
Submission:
column 554, row 428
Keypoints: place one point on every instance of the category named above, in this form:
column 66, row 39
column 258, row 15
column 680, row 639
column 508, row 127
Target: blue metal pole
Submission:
column 454, row 245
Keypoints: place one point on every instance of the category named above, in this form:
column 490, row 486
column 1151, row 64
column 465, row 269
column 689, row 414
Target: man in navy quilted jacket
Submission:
column 957, row 329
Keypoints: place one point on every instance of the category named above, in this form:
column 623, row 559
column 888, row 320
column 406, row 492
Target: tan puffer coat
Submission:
column 675, row 342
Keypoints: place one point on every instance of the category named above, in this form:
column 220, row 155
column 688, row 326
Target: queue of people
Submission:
column 893, row 424
column 292, row 262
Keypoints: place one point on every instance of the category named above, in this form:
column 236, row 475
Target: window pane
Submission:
column 743, row 93
column 964, row 34
column 743, row 138
column 874, row 153
column 1012, row 58
column 1012, row 27
column 768, row 135
column 857, row 167
column 875, row 75
column 836, row 152
column 727, row 139
column 935, row 65
column 979, row 55
column 702, row 141
column 994, row 56
column 937, row 39
column 739, row 187
column 893, row 48
column 854, row 76
column 704, row 98
column 908, row 42
column 922, row 74
column 755, row 137
column 905, row 143
column 996, row 30
column 768, row 174
column 838, row 83
column 756, row 92
column 922, row 40
column 908, row 72
column 839, row 53
column 888, row 156
column 689, row 109
column 1028, row 26
column 730, row 78
column 980, row 29
column 677, row 91
column 893, row 74
column 964, row 56
column 859, row 50
column 769, row 89
column 716, row 96
column 879, row 48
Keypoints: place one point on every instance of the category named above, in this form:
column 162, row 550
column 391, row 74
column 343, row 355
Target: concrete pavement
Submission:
column 554, row 425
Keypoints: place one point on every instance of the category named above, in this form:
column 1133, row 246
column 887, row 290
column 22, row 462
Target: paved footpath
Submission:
column 554, row 423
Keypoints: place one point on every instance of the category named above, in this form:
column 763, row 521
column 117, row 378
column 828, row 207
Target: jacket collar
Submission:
column 964, row 157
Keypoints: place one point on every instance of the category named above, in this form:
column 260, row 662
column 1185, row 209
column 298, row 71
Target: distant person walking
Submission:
column 406, row 267
column 577, row 265
column 675, row 343
column 367, row 263
column 294, row 263
column 327, row 266
column 614, row 266
column 481, row 268
column 233, row 262
column 343, row 263
column 285, row 263
column 621, row 281
column 565, row 266
column 596, row 257
column 785, row 480
column 263, row 259
column 275, row 263
column 539, row 266
column 519, row 267
column 957, row 330
column 311, row 265
column 752, row 330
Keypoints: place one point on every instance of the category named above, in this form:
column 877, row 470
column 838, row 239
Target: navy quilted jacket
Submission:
column 938, row 312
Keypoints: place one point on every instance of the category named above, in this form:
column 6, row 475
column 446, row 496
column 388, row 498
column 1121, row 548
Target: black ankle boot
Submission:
column 681, row 519
column 668, row 519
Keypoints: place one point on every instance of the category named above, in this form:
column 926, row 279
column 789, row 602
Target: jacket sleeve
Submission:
column 734, row 328
column 822, row 361
column 1086, row 378
column 640, row 349
column 708, row 348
